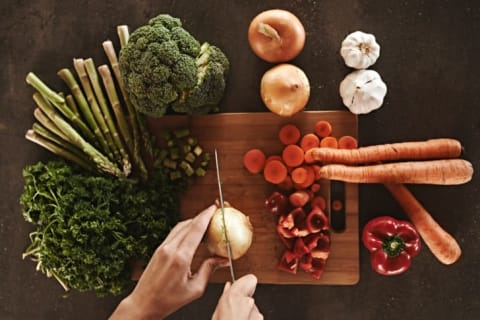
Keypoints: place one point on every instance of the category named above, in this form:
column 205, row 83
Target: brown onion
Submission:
column 239, row 233
column 276, row 35
column 285, row 89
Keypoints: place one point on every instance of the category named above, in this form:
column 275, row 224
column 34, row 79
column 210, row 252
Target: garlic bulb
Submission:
column 362, row 91
column 360, row 50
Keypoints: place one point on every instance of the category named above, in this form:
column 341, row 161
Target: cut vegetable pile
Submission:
column 302, row 224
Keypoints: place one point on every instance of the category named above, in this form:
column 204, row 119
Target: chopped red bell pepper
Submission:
column 288, row 262
column 306, row 262
column 318, row 267
column 316, row 220
column 392, row 244
column 300, row 248
column 277, row 203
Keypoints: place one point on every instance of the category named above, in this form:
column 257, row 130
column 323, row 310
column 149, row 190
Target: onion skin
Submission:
column 240, row 233
column 287, row 40
column 285, row 89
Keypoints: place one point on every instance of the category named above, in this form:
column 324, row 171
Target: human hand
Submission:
column 167, row 282
column 237, row 302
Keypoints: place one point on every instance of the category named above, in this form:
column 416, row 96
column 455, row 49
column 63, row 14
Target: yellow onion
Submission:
column 239, row 233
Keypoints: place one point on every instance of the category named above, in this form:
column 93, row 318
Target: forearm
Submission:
column 129, row 309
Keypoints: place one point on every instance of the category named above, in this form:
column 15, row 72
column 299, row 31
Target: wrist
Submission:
column 129, row 308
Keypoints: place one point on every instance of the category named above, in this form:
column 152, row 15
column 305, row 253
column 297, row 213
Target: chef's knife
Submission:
column 222, row 208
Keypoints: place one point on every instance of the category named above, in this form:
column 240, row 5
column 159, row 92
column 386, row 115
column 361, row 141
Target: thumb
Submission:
column 246, row 285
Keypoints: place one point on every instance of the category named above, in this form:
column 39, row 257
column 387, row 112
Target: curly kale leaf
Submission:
column 89, row 228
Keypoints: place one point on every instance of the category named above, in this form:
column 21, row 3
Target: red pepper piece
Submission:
column 285, row 232
column 288, row 262
column 316, row 220
column 319, row 244
column 306, row 262
column 277, row 203
column 318, row 267
column 392, row 244
column 300, row 248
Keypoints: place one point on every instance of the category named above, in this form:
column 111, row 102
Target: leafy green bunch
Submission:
column 89, row 229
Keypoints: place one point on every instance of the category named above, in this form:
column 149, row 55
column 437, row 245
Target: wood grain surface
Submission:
column 233, row 134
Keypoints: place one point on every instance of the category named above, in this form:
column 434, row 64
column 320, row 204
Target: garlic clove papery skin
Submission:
column 363, row 91
column 360, row 50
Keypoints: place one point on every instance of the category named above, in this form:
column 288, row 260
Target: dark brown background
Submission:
column 429, row 60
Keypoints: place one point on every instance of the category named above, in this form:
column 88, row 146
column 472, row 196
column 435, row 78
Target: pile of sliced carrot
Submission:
column 290, row 170
column 292, row 173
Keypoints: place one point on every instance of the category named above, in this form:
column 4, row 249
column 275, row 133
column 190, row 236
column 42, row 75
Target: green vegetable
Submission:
column 163, row 66
column 88, row 229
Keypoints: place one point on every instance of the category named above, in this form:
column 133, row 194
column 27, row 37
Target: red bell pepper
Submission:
column 392, row 244
column 277, row 203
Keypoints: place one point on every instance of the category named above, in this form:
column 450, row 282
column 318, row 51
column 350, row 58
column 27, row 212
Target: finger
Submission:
column 200, row 279
column 178, row 232
column 197, row 230
column 255, row 313
column 245, row 285
column 228, row 284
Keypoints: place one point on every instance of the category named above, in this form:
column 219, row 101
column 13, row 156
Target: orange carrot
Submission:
column 299, row 175
column 289, row 134
column 328, row 142
column 275, row 172
column 416, row 150
column 441, row 172
column 443, row 246
column 309, row 141
column 323, row 128
column 347, row 142
column 254, row 160
column 320, row 202
column 299, row 198
column 293, row 155
column 286, row 184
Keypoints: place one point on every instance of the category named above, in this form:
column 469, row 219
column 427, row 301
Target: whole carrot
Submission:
column 414, row 150
column 440, row 172
column 442, row 245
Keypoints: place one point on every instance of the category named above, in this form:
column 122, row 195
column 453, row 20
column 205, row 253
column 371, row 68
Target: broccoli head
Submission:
column 164, row 66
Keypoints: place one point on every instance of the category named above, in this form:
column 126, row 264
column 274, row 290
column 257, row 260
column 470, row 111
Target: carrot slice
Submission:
column 309, row 141
column 275, row 172
column 315, row 187
column 289, row 134
column 329, row 142
column 320, row 202
column 286, row 184
column 299, row 175
column 273, row 157
column 254, row 160
column 347, row 142
column 293, row 155
column 309, row 181
column 323, row 128
column 299, row 198
column 316, row 170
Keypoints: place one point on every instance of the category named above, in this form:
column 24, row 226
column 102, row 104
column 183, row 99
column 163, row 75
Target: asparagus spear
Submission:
column 47, row 134
column 101, row 161
column 97, row 122
column 59, row 102
column 34, row 137
column 115, row 103
column 133, row 117
column 123, row 35
column 117, row 141
column 72, row 104
column 47, row 123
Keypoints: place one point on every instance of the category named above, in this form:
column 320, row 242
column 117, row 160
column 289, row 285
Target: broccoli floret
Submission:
column 204, row 97
column 164, row 66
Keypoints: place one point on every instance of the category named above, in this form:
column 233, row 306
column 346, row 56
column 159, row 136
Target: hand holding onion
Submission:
column 239, row 232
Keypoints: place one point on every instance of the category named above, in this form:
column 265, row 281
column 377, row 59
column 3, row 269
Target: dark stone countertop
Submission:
column 429, row 60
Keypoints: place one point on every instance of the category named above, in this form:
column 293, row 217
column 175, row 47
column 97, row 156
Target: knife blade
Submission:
column 222, row 208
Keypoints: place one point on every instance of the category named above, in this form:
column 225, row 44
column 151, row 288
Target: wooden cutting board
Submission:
column 233, row 134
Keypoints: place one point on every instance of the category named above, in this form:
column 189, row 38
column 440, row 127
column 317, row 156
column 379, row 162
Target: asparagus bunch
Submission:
column 89, row 125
